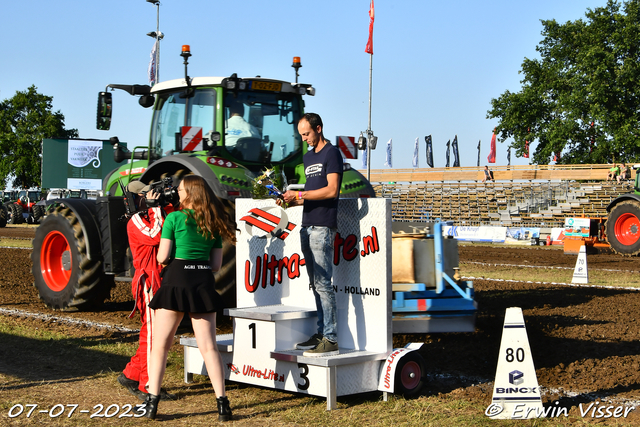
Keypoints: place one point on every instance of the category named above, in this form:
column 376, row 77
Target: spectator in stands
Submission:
column 613, row 174
column 625, row 173
column 488, row 176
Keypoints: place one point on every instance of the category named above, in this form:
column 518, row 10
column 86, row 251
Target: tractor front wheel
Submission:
column 65, row 277
column 623, row 228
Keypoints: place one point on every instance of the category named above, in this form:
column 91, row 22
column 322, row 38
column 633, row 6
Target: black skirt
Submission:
column 187, row 286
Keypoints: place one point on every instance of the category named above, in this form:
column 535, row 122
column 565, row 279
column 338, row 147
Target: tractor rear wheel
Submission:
column 15, row 214
column 3, row 216
column 38, row 213
column 65, row 277
column 623, row 228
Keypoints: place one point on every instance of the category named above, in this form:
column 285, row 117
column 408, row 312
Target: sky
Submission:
column 436, row 64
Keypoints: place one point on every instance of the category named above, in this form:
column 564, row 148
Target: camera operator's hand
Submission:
column 152, row 195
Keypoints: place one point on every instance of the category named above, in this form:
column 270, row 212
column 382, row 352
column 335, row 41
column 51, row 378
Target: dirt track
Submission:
column 584, row 340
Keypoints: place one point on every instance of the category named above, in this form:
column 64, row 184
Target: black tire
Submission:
column 65, row 277
column 623, row 228
column 3, row 216
column 38, row 213
column 409, row 377
column 15, row 214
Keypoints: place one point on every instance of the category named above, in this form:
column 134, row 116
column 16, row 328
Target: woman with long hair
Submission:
column 191, row 247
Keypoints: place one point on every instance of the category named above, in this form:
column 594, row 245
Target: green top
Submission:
column 616, row 170
column 188, row 242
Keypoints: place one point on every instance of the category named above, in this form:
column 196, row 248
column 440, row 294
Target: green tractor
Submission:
column 623, row 221
column 224, row 129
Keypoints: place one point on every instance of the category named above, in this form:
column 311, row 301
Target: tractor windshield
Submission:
column 261, row 126
column 177, row 109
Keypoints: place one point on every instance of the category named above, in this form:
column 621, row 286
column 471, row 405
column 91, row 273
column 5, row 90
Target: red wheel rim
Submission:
column 410, row 375
column 52, row 266
column 627, row 229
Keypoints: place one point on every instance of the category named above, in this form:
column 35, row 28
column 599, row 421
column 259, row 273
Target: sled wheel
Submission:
column 623, row 228
column 409, row 372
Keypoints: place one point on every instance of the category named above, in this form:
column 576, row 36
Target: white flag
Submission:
column 387, row 162
column 415, row 155
column 152, row 64
column 364, row 157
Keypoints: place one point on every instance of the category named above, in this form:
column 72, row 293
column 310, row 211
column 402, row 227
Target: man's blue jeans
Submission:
column 317, row 247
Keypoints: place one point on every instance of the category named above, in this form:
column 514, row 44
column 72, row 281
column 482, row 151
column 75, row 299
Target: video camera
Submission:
column 168, row 194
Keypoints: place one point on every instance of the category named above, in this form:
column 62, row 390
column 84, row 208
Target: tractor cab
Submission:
column 252, row 122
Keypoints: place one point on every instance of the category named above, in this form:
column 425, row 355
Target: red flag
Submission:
column 556, row 157
column 369, row 48
column 526, row 147
column 491, row 158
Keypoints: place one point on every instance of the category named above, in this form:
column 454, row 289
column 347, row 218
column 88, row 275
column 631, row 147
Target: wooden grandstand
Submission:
column 528, row 196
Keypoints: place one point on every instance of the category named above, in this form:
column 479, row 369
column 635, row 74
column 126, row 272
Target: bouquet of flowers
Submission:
column 269, row 184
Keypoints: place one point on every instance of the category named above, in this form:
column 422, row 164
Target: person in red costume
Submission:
column 144, row 230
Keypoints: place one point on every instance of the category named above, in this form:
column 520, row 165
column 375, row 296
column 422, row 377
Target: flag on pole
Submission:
column 365, row 153
column 448, row 149
column 387, row 162
column 152, row 64
column 479, row 152
column 509, row 156
column 491, row 158
column 526, row 147
column 456, row 156
column 369, row 48
column 427, row 139
column 415, row 151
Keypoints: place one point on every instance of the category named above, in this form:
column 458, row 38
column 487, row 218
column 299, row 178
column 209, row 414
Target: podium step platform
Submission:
column 271, row 313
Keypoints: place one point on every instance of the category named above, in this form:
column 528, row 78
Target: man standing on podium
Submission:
column 319, row 199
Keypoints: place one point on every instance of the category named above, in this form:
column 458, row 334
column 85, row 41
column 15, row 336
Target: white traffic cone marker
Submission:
column 516, row 394
column 581, row 272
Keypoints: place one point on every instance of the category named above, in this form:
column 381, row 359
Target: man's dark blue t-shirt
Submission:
column 316, row 168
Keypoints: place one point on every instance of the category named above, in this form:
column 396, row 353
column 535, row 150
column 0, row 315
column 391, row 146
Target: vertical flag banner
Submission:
column 365, row 153
column 448, row 149
column 592, row 139
column 387, row 162
column 491, row 158
column 152, row 64
column 526, row 147
column 556, row 157
column 415, row 151
column 427, row 139
column 369, row 48
column 479, row 152
column 456, row 156
column 509, row 156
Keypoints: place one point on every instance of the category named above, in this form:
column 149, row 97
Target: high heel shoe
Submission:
column 150, row 406
column 224, row 410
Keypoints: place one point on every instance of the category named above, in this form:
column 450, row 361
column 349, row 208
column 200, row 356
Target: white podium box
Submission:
column 276, row 307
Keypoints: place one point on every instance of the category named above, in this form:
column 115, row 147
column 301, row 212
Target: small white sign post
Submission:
column 581, row 272
column 516, row 393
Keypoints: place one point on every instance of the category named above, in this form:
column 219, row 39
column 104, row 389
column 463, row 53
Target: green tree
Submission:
column 25, row 120
column 582, row 97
